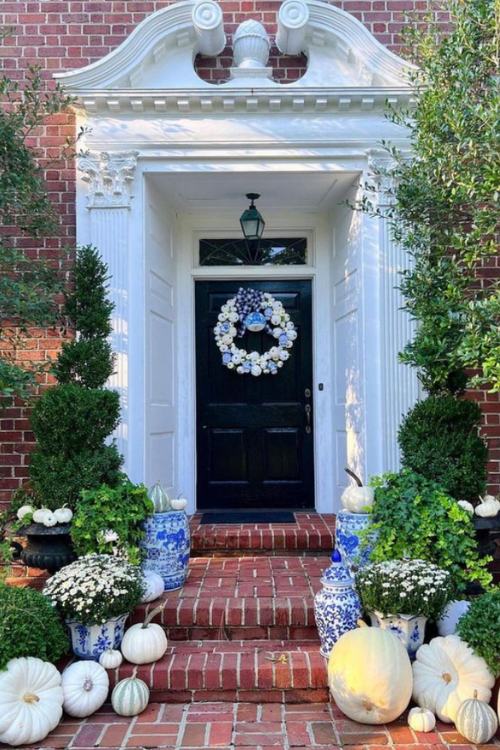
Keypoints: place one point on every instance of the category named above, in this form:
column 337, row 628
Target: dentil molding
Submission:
column 109, row 176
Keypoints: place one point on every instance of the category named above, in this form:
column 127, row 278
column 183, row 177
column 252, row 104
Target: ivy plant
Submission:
column 480, row 628
column 415, row 517
column 108, row 520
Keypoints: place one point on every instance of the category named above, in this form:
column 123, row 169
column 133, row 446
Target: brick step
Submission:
column 252, row 671
column 312, row 533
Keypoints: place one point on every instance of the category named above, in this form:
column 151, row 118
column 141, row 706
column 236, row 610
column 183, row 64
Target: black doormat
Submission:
column 250, row 516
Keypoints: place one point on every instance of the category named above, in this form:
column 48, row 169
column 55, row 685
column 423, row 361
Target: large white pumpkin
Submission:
column 144, row 642
column 153, row 586
column 476, row 721
column 369, row 674
column 130, row 697
column 445, row 673
column 31, row 699
column 85, row 687
column 447, row 623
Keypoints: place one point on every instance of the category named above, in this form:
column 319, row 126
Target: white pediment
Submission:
column 158, row 56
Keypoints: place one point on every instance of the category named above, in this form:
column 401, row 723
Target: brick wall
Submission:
column 64, row 34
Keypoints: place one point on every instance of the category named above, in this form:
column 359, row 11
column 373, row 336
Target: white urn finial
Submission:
column 209, row 27
column 251, row 45
column 293, row 18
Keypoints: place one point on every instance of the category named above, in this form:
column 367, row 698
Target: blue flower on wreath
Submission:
column 226, row 357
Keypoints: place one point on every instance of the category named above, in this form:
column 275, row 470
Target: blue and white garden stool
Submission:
column 337, row 607
column 167, row 547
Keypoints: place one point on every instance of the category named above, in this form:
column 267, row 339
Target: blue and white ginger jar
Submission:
column 167, row 547
column 337, row 607
column 354, row 549
column 89, row 641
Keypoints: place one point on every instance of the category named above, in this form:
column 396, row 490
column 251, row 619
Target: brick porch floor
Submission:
column 226, row 726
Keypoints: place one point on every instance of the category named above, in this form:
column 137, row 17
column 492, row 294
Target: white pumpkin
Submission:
column 369, row 674
column 130, row 697
column 445, row 673
column 488, row 507
column 39, row 514
column 476, row 721
column 153, row 586
column 111, row 658
column 421, row 720
column 85, row 688
column 31, row 699
column 24, row 510
column 178, row 503
column 159, row 498
column 49, row 519
column 144, row 642
column 356, row 498
column 466, row 506
column 63, row 515
column 447, row 623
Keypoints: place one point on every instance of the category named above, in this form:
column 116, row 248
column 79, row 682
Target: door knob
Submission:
column 308, row 410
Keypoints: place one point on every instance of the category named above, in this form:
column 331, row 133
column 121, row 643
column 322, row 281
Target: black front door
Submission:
column 254, row 434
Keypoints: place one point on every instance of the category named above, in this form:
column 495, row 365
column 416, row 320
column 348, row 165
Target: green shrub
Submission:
column 29, row 626
column 480, row 628
column 109, row 520
column 415, row 517
column 439, row 440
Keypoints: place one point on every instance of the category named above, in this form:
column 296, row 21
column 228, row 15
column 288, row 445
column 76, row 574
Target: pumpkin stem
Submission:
column 446, row 677
column 150, row 615
column 475, row 695
column 30, row 698
column 88, row 685
column 354, row 476
column 361, row 623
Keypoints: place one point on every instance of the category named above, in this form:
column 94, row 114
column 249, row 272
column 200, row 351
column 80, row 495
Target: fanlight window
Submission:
column 274, row 251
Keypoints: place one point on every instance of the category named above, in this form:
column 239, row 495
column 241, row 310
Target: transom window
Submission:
column 274, row 251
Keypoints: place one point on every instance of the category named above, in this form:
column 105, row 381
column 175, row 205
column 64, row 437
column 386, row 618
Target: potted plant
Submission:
column 401, row 595
column 95, row 595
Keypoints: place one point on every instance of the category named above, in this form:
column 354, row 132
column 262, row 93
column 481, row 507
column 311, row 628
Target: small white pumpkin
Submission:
column 466, row 506
column 476, row 721
column 356, row 498
column 111, row 658
column 85, row 687
column 63, row 515
column 369, row 674
column 24, row 510
column 49, row 519
column 130, row 697
column 421, row 720
column 39, row 514
column 445, row 673
column 31, row 699
column 447, row 623
column 178, row 503
column 145, row 642
column 153, row 586
column 488, row 507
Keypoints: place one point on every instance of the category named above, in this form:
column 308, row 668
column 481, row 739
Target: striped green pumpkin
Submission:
column 476, row 721
column 130, row 697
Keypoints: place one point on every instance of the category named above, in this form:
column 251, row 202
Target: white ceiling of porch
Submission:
column 307, row 191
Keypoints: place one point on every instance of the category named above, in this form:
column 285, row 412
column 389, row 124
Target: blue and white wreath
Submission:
column 255, row 311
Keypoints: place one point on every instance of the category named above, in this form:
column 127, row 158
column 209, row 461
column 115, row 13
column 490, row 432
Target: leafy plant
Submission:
column 27, row 288
column 95, row 588
column 415, row 517
column 439, row 439
column 72, row 420
column 443, row 203
column 109, row 520
column 29, row 626
column 480, row 628
column 411, row 587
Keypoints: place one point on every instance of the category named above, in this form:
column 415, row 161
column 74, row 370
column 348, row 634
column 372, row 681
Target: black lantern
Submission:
column 252, row 223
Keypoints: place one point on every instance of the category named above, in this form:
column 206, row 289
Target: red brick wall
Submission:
column 65, row 34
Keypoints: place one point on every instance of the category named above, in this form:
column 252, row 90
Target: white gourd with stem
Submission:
column 145, row 642
column 357, row 498
column 476, row 721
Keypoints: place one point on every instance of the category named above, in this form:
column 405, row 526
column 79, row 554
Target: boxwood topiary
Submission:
column 480, row 628
column 29, row 626
column 439, row 439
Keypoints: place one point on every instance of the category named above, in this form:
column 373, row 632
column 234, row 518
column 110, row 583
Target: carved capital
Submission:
column 109, row 176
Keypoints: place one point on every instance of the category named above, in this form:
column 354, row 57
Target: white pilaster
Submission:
column 109, row 177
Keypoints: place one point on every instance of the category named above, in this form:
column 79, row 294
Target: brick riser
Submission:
column 238, row 671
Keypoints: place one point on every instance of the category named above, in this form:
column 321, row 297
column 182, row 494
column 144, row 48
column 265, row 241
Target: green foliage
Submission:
column 444, row 203
column 108, row 520
column 72, row 420
column 415, row 517
column 29, row 626
column 27, row 288
column 439, row 440
column 480, row 628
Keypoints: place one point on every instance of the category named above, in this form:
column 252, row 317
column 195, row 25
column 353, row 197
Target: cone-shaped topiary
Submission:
column 72, row 420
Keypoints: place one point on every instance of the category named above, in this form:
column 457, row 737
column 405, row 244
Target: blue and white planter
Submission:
column 89, row 641
column 167, row 547
column 337, row 607
column 410, row 629
column 348, row 528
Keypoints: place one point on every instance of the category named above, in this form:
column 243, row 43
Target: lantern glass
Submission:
column 251, row 221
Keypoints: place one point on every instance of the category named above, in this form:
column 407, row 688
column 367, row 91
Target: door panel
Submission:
column 253, row 448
